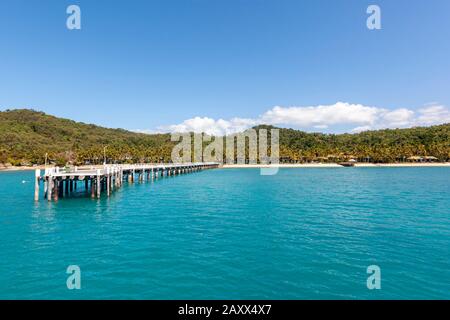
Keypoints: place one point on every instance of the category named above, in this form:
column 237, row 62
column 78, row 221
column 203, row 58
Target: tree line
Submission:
column 29, row 137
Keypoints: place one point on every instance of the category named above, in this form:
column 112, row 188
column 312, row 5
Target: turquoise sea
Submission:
column 233, row 234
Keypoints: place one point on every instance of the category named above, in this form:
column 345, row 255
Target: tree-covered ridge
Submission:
column 27, row 135
column 388, row 145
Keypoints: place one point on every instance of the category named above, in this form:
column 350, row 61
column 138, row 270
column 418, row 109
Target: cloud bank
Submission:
column 338, row 117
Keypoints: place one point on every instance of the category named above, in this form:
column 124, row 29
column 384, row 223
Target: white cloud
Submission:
column 433, row 114
column 337, row 114
column 337, row 117
column 211, row 126
column 396, row 118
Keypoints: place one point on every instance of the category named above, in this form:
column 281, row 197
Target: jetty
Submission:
column 61, row 182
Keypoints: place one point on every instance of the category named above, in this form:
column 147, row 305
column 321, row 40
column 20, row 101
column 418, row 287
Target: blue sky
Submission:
column 186, row 64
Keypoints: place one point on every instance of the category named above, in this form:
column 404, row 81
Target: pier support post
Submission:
column 37, row 176
column 60, row 187
column 108, row 185
column 108, row 181
column 56, row 189
column 98, row 188
column 98, row 184
column 45, row 187
column 92, row 187
column 112, row 181
column 50, row 188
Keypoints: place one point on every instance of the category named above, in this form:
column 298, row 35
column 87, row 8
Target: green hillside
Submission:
column 27, row 135
column 389, row 145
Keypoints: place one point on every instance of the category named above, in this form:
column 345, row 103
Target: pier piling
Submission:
column 37, row 176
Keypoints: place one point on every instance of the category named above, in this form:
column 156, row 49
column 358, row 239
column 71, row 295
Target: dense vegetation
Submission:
column 389, row 145
column 27, row 135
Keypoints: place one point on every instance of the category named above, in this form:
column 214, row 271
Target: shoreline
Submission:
column 287, row 165
column 335, row 165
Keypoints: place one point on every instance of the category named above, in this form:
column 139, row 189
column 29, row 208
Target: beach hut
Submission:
column 415, row 159
column 430, row 159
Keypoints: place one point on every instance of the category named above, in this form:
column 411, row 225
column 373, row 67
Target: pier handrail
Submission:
column 108, row 176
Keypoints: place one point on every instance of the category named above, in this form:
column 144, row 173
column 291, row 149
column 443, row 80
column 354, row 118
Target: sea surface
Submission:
column 233, row 234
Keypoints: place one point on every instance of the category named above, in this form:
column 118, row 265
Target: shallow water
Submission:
column 233, row 234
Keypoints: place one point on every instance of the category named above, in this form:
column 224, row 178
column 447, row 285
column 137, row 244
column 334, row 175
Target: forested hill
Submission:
column 27, row 135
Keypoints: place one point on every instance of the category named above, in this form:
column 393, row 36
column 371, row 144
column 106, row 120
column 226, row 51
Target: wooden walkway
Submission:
column 60, row 182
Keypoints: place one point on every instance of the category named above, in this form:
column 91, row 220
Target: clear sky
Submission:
column 157, row 65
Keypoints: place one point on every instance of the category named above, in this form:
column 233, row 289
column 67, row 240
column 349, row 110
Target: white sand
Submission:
column 284, row 165
column 335, row 165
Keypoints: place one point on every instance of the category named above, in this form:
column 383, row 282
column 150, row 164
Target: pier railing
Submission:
column 61, row 182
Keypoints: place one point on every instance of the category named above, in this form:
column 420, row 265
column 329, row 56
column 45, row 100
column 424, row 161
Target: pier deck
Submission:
column 60, row 182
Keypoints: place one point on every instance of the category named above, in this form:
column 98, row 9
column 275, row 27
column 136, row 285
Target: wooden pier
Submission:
column 60, row 182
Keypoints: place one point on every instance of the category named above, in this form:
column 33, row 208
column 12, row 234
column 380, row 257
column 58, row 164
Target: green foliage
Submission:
column 27, row 135
column 389, row 145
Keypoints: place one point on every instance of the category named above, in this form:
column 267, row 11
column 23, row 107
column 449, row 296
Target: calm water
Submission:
column 302, row 234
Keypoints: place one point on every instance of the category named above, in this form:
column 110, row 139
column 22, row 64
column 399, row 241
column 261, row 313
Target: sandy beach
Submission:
column 283, row 165
column 6, row 169
column 335, row 165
